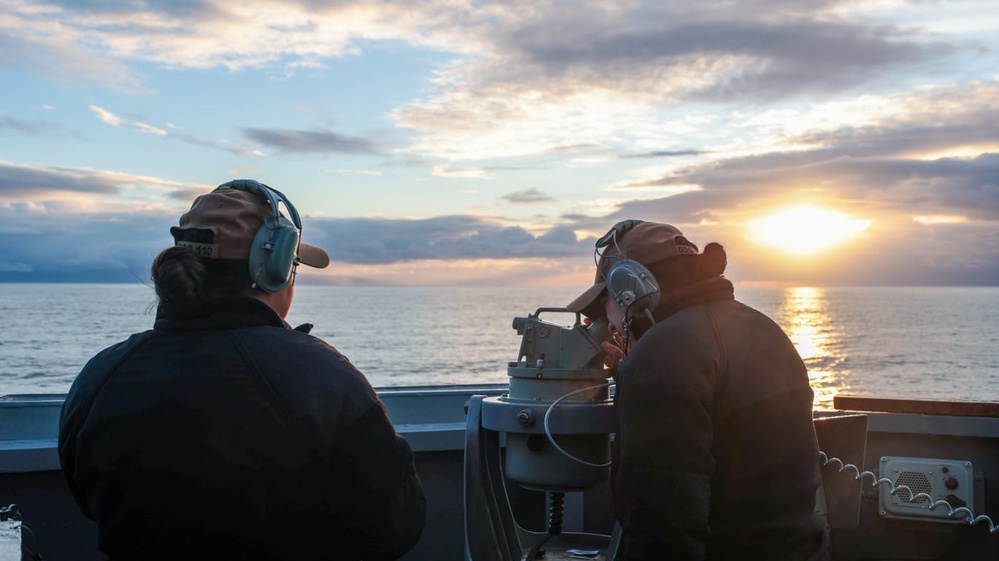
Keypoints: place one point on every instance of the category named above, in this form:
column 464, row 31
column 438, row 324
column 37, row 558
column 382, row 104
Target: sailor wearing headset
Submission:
column 715, row 455
column 223, row 433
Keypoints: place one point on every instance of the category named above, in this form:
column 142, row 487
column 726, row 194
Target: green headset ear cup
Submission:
column 272, row 255
column 275, row 245
column 632, row 286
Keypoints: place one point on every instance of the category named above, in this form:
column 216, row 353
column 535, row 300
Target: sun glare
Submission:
column 806, row 230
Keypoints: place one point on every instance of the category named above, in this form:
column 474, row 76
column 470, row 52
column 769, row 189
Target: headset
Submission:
column 629, row 283
column 274, row 251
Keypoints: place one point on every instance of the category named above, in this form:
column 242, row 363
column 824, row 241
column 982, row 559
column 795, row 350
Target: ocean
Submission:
column 915, row 342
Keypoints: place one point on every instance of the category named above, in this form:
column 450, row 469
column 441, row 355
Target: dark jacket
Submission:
column 716, row 451
column 224, row 434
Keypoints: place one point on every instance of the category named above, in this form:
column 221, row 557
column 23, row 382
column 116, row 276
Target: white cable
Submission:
column 971, row 519
column 548, row 431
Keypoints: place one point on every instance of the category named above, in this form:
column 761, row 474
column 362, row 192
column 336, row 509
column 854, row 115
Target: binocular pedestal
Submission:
column 491, row 531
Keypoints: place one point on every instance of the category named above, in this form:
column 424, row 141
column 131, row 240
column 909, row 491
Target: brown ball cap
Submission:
column 222, row 224
column 644, row 242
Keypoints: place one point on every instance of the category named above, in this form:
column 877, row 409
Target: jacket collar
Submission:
column 701, row 292
column 228, row 312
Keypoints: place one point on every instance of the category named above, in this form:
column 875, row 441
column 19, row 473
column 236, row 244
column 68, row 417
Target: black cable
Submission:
column 556, row 508
column 35, row 555
column 532, row 554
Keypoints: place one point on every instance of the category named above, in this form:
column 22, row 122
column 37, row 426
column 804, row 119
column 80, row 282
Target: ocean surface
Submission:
column 929, row 343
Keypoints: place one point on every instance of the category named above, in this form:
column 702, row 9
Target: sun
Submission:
column 805, row 230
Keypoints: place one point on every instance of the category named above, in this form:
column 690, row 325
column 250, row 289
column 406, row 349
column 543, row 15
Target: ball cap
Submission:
column 644, row 242
column 223, row 223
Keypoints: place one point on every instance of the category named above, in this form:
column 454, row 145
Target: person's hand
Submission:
column 613, row 354
column 613, row 349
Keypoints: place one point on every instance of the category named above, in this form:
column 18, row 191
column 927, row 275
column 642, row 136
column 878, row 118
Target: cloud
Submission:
column 894, row 156
column 528, row 196
column 46, row 39
column 666, row 154
column 917, row 186
column 918, row 124
column 572, row 272
column 719, row 56
column 8, row 122
column 45, row 188
column 39, row 127
column 62, row 246
column 24, row 182
column 188, row 194
column 464, row 172
column 106, row 116
column 116, row 121
column 95, row 42
column 14, row 267
column 316, row 141
column 222, row 145
column 44, row 243
column 48, row 237
column 511, row 87
column 611, row 71
column 149, row 129
column 384, row 241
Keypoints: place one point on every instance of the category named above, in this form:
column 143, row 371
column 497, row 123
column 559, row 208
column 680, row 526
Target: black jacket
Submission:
column 716, row 451
column 224, row 434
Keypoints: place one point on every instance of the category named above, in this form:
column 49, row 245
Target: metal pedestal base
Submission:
column 491, row 532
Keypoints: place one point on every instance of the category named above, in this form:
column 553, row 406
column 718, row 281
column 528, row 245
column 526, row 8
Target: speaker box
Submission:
column 943, row 480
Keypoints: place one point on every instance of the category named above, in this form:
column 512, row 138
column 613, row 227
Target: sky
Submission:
column 457, row 142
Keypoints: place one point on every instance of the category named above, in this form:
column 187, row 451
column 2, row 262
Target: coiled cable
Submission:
column 952, row 512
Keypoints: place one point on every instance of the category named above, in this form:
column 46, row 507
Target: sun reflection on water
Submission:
column 804, row 316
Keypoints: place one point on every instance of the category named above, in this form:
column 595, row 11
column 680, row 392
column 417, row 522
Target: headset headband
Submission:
column 273, row 196
column 619, row 228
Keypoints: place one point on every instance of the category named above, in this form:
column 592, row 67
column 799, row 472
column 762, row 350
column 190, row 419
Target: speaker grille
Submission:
column 917, row 482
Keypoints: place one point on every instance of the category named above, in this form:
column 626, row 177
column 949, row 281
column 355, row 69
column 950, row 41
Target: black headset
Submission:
column 274, row 251
column 629, row 283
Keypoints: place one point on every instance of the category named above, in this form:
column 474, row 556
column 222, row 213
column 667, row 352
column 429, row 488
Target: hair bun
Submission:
column 715, row 259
